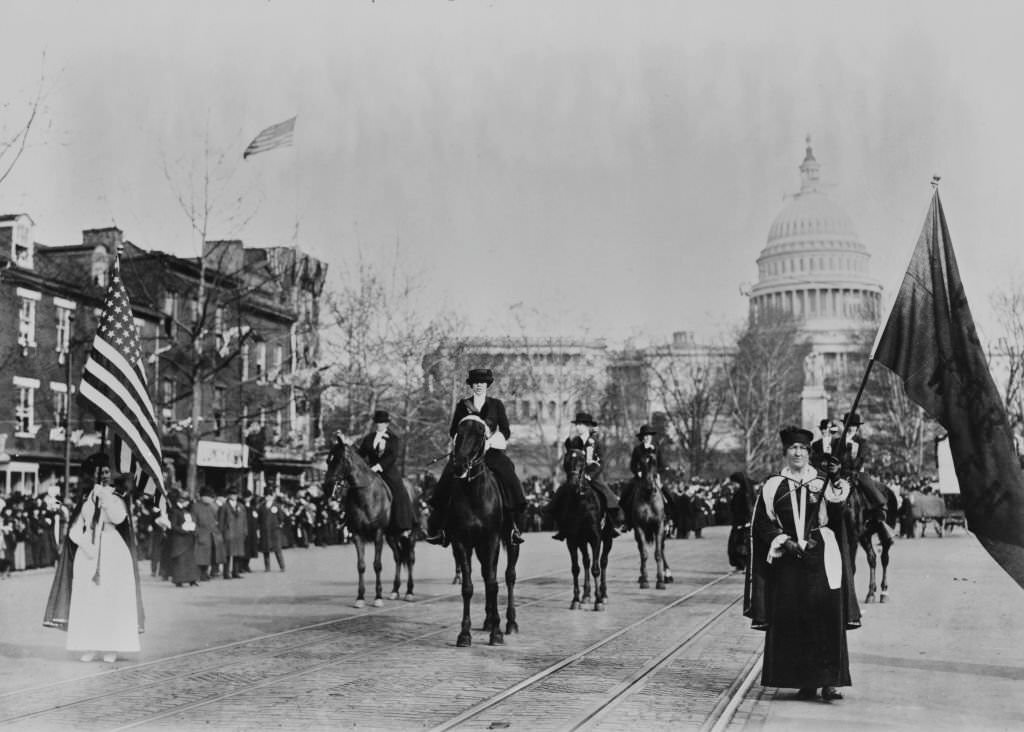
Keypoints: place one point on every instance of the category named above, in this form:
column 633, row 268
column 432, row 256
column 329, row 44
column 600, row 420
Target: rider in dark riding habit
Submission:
column 380, row 449
column 492, row 411
column 586, row 440
column 647, row 446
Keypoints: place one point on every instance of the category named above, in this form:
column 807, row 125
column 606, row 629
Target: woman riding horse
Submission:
column 492, row 412
column 474, row 523
column 584, row 532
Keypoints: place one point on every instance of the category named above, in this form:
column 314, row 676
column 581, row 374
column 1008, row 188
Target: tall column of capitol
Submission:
column 814, row 268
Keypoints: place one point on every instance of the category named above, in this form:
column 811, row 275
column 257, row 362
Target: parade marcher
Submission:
column 637, row 460
column 802, row 568
column 182, row 537
column 823, row 447
column 586, row 439
column 742, row 509
column 95, row 592
column 492, row 412
column 271, row 531
column 380, row 449
column 234, row 527
column 209, row 540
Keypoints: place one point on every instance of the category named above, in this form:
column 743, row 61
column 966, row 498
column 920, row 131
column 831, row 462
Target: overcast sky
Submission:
column 601, row 168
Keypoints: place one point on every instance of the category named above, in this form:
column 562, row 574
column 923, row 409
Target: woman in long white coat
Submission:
column 104, row 613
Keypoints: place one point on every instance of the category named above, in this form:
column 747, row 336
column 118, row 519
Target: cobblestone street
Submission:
column 289, row 651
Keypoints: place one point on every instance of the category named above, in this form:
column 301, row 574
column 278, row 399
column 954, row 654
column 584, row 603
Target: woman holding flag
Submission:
column 95, row 589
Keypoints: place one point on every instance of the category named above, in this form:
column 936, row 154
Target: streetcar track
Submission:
column 479, row 708
column 398, row 607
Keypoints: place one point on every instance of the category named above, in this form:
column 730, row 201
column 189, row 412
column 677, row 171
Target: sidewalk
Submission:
column 945, row 652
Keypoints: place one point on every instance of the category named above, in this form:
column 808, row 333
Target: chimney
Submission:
column 110, row 238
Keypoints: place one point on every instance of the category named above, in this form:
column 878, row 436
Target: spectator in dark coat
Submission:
column 252, row 537
column 209, row 540
column 271, row 520
column 182, row 538
column 234, row 526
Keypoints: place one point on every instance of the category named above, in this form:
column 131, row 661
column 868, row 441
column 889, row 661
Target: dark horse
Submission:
column 647, row 517
column 403, row 548
column 366, row 501
column 866, row 520
column 582, row 527
column 476, row 522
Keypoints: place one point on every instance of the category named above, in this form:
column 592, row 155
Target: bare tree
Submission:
column 1007, row 355
column 14, row 136
column 693, row 391
column 763, row 384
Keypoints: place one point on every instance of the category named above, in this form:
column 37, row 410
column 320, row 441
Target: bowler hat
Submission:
column 793, row 435
column 381, row 416
column 646, row 430
column 584, row 418
column 480, row 376
column 853, row 420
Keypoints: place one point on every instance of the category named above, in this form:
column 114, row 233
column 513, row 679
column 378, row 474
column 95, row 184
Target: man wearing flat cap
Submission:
column 492, row 412
column 380, row 449
column 586, row 440
column 796, row 589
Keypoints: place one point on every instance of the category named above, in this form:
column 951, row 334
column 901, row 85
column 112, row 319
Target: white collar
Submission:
column 806, row 475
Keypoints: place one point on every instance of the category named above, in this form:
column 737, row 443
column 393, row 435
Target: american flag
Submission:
column 114, row 382
column 280, row 135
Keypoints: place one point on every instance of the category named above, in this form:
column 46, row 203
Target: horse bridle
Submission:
column 477, row 462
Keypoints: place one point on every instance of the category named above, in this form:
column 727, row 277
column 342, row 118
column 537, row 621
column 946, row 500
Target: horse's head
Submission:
column 576, row 464
column 339, row 468
column 470, row 445
column 649, row 468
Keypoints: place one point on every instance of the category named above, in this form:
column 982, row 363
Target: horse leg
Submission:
column 410, row 562
column 511, row 560
column 659, row 558
column 489, row 560
column 457, row 579
column 606, row 548
column 575, row 559
column 378, row 565
column 886, row 546
column 361, row 569
column 642, row 546
column 585, row 551
column 465, row 569
column 394, row 543
column 595, row 546
column 668, row 570
column 869, row 554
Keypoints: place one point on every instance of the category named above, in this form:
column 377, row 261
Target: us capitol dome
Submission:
column 815, row 268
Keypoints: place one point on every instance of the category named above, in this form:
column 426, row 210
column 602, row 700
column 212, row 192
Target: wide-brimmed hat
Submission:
column 584, row 418
column 646, row 430
column 380, row 416
column 480, row 376
column 794, row 435
column 853, row 420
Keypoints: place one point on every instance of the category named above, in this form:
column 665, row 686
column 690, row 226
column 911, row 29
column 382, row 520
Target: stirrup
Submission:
column 438, row 539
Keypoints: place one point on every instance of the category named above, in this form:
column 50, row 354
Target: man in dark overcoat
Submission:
column 381, row 450
column 209, row 540
column 234, row 526
column 271, row 520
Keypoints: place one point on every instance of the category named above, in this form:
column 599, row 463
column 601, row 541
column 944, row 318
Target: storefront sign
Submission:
column 212, row 454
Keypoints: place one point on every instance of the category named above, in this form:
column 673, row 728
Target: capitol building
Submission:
column 815, row 269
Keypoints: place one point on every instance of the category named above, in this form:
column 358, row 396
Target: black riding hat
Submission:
column 584, row 418
column 380, row 416
column 480, row 376
column 852, row 419
column 646, row 430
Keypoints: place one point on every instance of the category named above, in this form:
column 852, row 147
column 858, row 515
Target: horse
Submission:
column 581, row 525
column 403, row 548
column 477, row 523
column 367, row 504
column 647, row 517
column 867, row 520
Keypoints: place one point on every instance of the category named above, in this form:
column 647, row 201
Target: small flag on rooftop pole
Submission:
column 930, row 342
column 280, row 135
column 114, row 383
